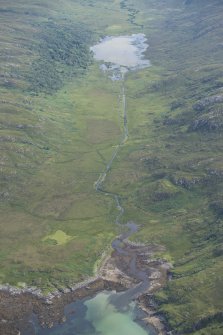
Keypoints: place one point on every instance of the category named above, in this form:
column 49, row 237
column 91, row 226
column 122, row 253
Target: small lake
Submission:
column 110, row 313
column 98, row 316
column 122, row 51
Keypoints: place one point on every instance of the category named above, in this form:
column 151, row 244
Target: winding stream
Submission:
column 112, row 313
column 126, row 52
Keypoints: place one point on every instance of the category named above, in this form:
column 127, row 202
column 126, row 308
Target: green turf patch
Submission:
column 58, row 238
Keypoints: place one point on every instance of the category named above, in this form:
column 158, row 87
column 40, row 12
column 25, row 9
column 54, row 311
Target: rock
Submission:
column 211, row 121
column 114, row 274
column 156, row 323
column 186, row 182
column 155, row 275
column 202, row 104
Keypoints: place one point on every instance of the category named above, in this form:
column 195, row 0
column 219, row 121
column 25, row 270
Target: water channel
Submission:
column 111, row 313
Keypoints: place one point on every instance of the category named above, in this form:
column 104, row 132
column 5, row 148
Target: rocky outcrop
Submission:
column 16, row 305
column 202, row 104
column 212, row 121
column 147, row 304
column 186, row 182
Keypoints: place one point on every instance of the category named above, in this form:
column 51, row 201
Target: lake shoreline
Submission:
column 131, row 267
column 19, row 304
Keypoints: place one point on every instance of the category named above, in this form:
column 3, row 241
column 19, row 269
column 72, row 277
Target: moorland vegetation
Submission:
column 59, row 121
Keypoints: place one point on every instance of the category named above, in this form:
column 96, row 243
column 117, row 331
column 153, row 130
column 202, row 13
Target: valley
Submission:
column 61, row 120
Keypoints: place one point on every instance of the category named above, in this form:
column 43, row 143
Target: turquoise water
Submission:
column 109, row 313
column 96, row 316
column 108, row 321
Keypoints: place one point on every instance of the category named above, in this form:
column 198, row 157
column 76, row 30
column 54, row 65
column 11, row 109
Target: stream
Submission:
column 112, row 313
column 126, row 54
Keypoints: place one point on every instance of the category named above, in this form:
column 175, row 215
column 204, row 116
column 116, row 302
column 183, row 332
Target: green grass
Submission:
column 55, row 143
column 59, row 237
column 169, row 176
column 54, row 146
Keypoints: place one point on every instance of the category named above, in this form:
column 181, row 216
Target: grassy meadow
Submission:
column 59, row 123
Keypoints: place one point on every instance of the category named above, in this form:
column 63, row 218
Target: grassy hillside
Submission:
column 59, row 121
column 174, row 158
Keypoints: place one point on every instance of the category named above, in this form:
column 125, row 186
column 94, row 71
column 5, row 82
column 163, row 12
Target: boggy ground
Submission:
column 17, row 308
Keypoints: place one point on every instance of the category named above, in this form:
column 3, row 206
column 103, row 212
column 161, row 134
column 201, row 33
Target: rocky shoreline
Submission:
column 18, row 305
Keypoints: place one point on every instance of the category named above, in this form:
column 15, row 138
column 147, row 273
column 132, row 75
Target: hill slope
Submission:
column 59, row 120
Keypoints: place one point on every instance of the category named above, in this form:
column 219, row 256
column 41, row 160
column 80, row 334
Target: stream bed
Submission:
column 111, row 313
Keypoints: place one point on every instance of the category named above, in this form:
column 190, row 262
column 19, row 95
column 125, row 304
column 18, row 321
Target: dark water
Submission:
column 111, row 313
column 97, row 316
